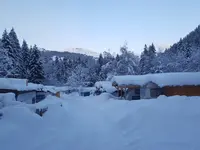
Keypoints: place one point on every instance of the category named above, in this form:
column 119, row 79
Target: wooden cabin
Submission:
column 25, row 92
column 153, row 85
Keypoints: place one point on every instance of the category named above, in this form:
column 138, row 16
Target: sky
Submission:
column 99, row 24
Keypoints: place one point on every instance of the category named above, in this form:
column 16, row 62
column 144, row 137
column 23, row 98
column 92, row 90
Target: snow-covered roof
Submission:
column 105, row 85
column 161, row 79
column 18, row 84
column 54, row 89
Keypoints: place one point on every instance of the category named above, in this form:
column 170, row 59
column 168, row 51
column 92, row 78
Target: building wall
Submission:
column 149, row 90
column 145, row 93
column 131, row 94
column 182, row 90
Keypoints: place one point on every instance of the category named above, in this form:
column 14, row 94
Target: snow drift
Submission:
column 88, row 123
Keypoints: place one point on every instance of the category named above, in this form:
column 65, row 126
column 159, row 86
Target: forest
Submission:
column 63, row 68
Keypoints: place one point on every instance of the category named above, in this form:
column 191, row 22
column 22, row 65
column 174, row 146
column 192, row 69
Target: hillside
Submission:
column 71, row 55
column 82, row 51
column 190, row 41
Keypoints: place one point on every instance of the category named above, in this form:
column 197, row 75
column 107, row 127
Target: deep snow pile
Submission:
column 88, row 123
column 7, row 99
column 105, row 86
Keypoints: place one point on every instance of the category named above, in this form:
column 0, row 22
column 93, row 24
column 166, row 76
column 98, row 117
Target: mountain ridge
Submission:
column 83, row 51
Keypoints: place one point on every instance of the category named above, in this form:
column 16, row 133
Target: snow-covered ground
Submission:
column 101, row 123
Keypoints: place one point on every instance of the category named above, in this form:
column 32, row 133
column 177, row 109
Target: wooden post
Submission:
column 121, row 92
column 125, row 93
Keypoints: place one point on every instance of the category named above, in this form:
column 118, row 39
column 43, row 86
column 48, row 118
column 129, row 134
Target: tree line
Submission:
column 19, row 61
column 26, row 62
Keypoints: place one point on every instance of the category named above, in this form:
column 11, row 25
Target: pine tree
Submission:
column 100, row 60
column 22, row 67
column 152, row 51
column 6, row 44
column 14, row 44
column 107, row 57
column 5, row 64
column 152, row 58
column 144, row 61
column 7, row 48
column 117, row 58
column 36, row 71
column 65, row 69
column 57, row 69
column 11, row 45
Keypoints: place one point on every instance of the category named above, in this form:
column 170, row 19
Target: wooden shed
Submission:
column 153, row 85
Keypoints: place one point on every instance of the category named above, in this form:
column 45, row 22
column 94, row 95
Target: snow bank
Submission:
column 167, row 123
column 18, row 84
column 7, row 99
column 49, row 100
column 101, row 123
column 161, row 79
column 105, row 86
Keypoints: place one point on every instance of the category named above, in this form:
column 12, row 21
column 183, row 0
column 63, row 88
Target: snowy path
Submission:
column 96, row 123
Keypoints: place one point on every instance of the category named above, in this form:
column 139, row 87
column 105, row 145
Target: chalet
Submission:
column 24, row 91
column 105, row 86
column 153, row 85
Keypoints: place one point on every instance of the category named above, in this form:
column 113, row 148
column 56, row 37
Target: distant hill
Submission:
column 82, row 51
column 190, row 41
column 52, row 54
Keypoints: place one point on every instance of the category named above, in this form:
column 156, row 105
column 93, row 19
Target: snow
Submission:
column 7, row 99
column 161, row 79
column 26, row 97
column 18, row 84
column 49, row 100
column 106, row 86
column 54, row 89
column 82, row 51
column 97, row 122
column 54, row 58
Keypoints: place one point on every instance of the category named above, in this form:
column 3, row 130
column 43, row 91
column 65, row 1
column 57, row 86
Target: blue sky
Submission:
column 99, row 24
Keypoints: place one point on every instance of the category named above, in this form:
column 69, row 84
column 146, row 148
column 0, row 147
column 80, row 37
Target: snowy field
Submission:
column 101, row 123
